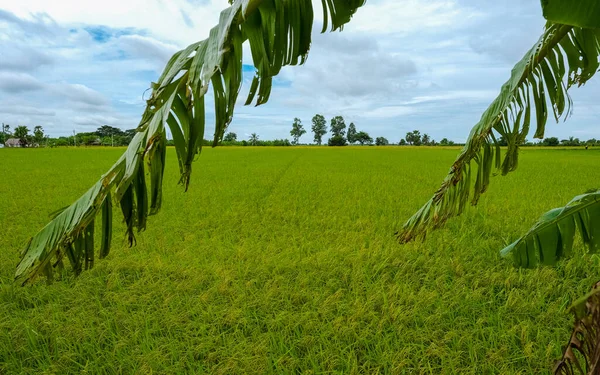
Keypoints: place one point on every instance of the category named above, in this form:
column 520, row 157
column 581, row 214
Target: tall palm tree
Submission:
column 253, row 139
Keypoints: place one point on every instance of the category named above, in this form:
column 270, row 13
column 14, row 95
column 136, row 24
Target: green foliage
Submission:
column 253, row 140
column 402, row 142
column 319, row 128
column 38, row 134
column 352, row 134
column 337, row 126
column 297, row 130
column 64, row 141
column 381, row 141
column 413, row 138
column 571, row 142
column 581, row 13
column 230, row 137
column 22, row 134
column 446, row 142
column 363, row 138
column 109, row 131
column 552, row 237
column 337, row 140
column 552, row 141
column 280, row 260
column 88, row 139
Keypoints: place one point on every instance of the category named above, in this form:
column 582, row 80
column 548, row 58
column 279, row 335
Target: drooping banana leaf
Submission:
column 279, row 34
column 563, row 57
column 552, row 237
column 582, row 353
column 581, row 13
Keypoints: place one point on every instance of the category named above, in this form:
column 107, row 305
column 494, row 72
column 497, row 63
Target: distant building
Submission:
column 13, row 142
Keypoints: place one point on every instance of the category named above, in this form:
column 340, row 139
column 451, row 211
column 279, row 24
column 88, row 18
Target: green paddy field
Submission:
column 284, row 261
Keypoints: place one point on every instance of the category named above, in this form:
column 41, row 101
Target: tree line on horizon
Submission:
column 111, row 136
column 103, row 136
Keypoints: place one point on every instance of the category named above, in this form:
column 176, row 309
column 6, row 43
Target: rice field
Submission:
column 283, row 260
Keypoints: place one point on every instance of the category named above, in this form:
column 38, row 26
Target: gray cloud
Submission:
column 95, row 121
column 81, row 94
column 18, row 83
column 22, row 59
column 353, row 66
column 26, row 110
column 142, row 47
column 41, row 25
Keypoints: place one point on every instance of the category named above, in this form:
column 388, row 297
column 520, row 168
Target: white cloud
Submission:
column 389, row 112
column 162, row 18
column 410, row 16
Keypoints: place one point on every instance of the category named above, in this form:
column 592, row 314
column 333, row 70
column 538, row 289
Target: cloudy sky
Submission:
column 432, row 65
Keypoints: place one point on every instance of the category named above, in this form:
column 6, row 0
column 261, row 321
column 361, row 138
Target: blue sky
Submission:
column 432, row 65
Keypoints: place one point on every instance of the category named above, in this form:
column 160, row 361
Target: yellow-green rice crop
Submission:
column 285, row 261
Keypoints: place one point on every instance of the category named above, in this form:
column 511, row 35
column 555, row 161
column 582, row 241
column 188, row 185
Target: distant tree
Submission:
column 230, row 137
column 22, row 134
column 108, row 131
column 281, row 142
column 364, row 138
column 381, row 141
column 88, row 139
column 446, row 142
column 591, row 142
column 338, row 126
column 426, row 140
column 38, row 134
column 352, row 134
column 4, row 133
column 63, row 141
column 319, row 128
column 552, row 141
column 297, row 130
column 402, row 142
column 106, row 141
column 337, row 140
column 570, row 142
column 413, row 138
column 253, row 140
